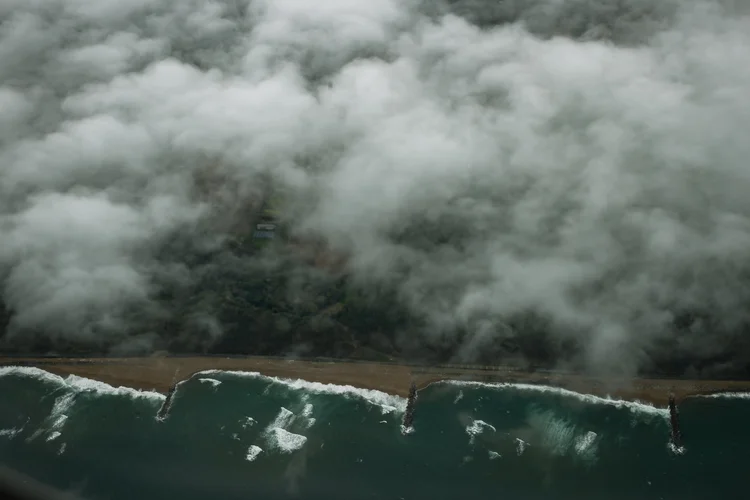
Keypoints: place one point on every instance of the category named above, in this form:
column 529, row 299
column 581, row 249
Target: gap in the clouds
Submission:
column 626, row 22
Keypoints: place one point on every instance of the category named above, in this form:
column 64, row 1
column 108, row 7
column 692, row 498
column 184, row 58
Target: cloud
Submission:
column 581, row 161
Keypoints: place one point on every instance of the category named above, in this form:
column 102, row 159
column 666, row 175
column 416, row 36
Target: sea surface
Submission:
column 242, row 436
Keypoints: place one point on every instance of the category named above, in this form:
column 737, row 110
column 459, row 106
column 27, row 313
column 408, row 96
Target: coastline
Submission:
column 159, row 374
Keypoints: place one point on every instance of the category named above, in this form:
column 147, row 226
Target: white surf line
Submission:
column 724, row 395
column 634, row 406
column 78, row 384
column 387, row 402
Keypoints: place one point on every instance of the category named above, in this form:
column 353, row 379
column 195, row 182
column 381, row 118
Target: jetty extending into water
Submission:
column 157, row 373
column 674, row 422
column 411, row 401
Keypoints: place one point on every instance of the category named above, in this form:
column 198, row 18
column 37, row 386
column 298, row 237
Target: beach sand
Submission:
column 161, row 373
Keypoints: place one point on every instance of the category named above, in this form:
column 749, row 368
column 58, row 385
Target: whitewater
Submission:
column 234, row 434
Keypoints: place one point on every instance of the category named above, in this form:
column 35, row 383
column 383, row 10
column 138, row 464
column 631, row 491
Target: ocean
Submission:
column 234, row 435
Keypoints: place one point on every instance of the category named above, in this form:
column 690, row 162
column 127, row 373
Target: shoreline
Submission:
column 160, row 374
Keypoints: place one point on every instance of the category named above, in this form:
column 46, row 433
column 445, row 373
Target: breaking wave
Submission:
column 78, row 384
column 633, row 406
column 387, row 402
column 261, row 429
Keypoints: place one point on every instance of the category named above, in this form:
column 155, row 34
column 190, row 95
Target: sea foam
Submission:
column 726, row 395
column 212, row 381
column 87, row 385
column 633, row 406
column 31, row 371
column 79, row 384
column 520, row 446
column 307, row 410
column 283, row 419
column 280, row 438
column 60, row 409
column 388, row 403
column 285, row 441
column 9, row 433
column 476, row 428
column 584, row 443
column 677, row 450
column 252, row 453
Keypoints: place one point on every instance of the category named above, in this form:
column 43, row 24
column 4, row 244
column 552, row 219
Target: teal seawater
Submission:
column 240, row 436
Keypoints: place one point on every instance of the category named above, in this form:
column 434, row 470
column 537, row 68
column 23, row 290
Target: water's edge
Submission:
column 228, row 433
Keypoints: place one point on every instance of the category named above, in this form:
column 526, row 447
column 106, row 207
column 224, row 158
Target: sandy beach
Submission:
column 160, row 373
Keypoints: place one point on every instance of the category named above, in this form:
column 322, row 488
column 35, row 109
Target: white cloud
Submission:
column 580, row 161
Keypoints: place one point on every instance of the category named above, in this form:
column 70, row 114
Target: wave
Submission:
column 558, row 434
column 476, row 428
column 521, row 446
column 563, row 436
column 285, row 441
column 252, row 452
column 60, row 412
column 10, row 433
column 55, row 421
column 283, row 420
column 30, row 371
column 212, row 381
column 307, row 415
column 166, row 405
column 79, row 384
column 726, row 395
column 584, row 444
column 407, row 430
column 633, row 406
column 387, row 402
column 88, row 385
column 277, row 433
column 307, row 410
column 677, row 450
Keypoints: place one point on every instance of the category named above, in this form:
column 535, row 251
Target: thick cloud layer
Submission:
column 586, row 161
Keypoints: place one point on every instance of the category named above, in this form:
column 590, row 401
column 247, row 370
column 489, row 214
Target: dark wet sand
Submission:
column 160, row 373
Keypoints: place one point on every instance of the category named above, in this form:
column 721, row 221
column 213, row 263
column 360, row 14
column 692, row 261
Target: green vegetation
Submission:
column 263, row 296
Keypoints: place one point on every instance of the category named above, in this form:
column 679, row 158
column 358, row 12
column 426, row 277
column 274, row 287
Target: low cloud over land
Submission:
column 566, row 173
